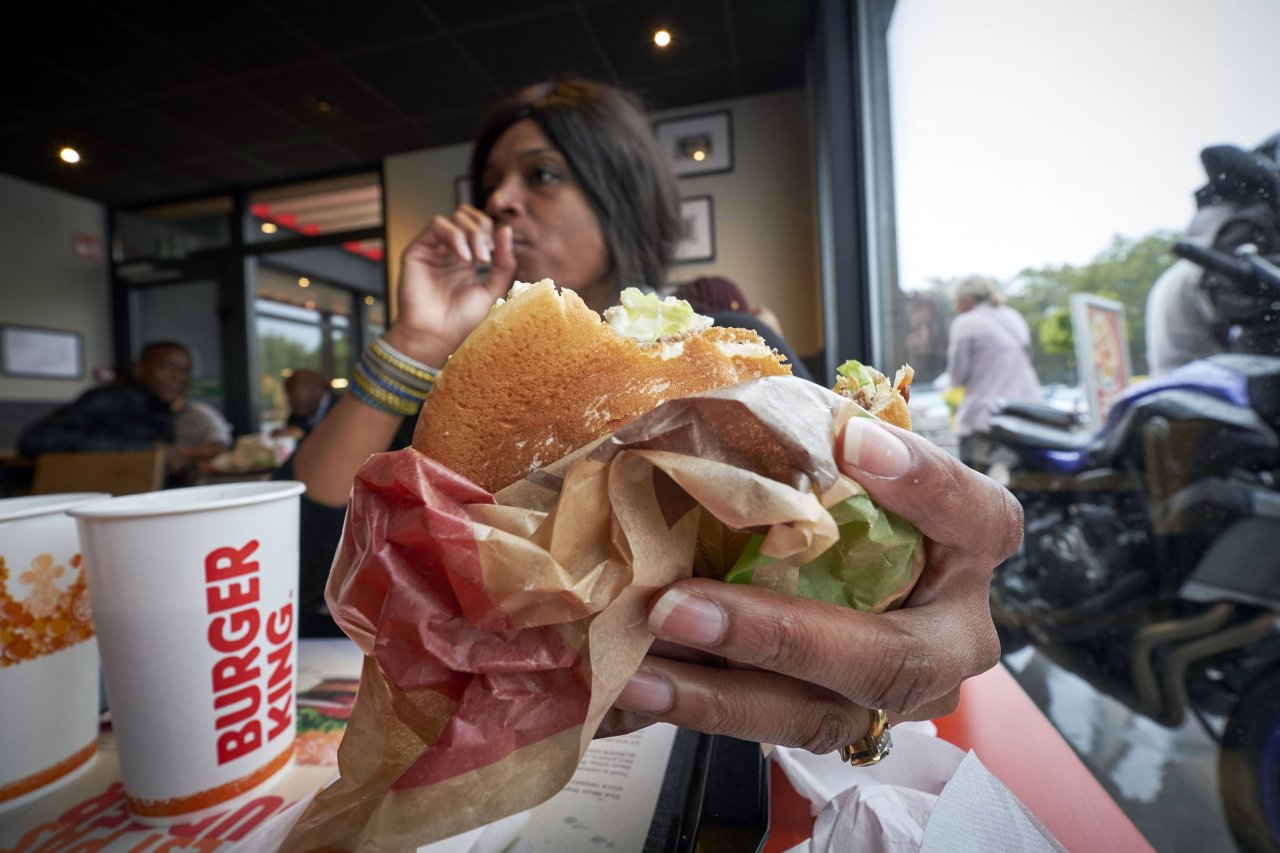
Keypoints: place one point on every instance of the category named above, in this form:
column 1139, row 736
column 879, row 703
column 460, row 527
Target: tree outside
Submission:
column 1124, row 271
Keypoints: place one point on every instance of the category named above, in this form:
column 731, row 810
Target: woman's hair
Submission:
column 980, row 289
column 604, row 136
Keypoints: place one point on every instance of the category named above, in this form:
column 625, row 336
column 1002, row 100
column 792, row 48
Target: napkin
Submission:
column 927, row 796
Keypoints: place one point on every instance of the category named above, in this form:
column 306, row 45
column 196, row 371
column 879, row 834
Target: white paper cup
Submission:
column 48, row 657
column 195, row 602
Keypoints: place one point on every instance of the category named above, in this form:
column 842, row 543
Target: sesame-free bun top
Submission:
column 543, row 375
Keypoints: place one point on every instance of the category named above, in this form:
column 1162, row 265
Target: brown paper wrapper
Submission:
column 499, row 629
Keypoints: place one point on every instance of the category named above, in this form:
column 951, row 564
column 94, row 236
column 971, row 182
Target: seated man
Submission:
column 133, row 415
column 200, row 431
column 310, row 397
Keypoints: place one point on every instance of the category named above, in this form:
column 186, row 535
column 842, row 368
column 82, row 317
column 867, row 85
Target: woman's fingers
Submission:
column 502, row 269
column 747, row 704
column 445, row 235
column 951, row 504
column 898, row 661
column 619, row 721
column 479, row 230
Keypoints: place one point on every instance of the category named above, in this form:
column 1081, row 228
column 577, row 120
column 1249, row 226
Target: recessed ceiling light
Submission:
column 699, row 155
column 662, row 38
column 268, row 228
column 69, row 155
column 304, row 282
column 368, row 300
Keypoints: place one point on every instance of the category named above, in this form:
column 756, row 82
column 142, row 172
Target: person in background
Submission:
column 310, row 397
column 570, row 184
column 724, row 300
column 201, row 431
column 989, row 355
column 137, row 414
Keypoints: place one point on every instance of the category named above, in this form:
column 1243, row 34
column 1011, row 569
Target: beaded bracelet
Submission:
column 388, row 380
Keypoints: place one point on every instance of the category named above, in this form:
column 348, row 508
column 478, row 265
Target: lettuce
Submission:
column 869, row 564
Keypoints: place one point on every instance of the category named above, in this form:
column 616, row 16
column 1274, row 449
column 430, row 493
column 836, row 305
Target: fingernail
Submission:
column 871, row 448
column 647, row 691
column 687, row 618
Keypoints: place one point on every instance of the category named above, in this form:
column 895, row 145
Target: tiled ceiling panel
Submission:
column 170, row 99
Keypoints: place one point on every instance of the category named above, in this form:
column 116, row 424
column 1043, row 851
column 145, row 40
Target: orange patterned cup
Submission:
column 195, row 596
column 48, row 657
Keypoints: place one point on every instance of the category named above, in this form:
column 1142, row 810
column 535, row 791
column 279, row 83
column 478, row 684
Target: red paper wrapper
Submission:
column 498, row 630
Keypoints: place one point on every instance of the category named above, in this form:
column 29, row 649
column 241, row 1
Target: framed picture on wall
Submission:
column 698, row 144
column 37, row 353
column 697, row 230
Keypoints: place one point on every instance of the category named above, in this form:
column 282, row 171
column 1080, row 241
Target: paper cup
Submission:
column 48, row 657
column 195, row 596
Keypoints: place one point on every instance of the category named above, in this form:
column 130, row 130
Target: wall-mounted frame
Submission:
column 32, row 352
column 698, row 144
column 461, row 190
column 697, row 230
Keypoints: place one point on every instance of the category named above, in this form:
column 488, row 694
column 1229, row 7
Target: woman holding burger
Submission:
column 570, row 185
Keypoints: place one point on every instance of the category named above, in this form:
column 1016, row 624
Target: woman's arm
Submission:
column 440, row 299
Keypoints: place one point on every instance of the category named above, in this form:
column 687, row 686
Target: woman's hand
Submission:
column 442, row 295
column 814, row 669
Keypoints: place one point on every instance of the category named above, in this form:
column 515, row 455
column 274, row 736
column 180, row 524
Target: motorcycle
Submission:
column 1151, row 558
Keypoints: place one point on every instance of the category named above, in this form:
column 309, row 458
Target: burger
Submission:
column 544, row 375
column 873, row 391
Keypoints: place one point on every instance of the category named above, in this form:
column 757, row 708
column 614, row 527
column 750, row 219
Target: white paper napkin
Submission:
column 926, row 796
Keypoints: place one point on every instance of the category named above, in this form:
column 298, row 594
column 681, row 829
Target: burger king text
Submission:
column 237, row 631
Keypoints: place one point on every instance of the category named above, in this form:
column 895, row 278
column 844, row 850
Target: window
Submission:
column 1056, row 150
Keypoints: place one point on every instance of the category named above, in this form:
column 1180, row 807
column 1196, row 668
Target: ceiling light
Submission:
column 304, row 282
column 662, row 38
column 699, row 155
column 268, row 228
column 69, row 155
column 368, row 300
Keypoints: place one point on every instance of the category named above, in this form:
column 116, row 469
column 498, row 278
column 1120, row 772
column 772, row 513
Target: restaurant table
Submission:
column 1017, row 743
column 995, row 719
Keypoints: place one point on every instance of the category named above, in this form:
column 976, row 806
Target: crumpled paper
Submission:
column 927, row 796
column 499, row 629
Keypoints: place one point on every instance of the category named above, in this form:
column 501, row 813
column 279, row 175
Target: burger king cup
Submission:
column 195, row 595
column 48, row 657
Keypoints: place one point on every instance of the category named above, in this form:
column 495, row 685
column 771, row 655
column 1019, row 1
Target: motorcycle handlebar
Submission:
column 1244, row 265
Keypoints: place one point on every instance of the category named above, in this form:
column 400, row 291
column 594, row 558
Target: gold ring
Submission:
column 872, row 746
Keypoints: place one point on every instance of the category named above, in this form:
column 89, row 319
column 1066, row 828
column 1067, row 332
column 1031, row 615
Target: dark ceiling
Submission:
column 177, row 98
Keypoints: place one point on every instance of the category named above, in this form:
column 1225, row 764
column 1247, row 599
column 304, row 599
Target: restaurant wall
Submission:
column 43, row 282
column 765, row 216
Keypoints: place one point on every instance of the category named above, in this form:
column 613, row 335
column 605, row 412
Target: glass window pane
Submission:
column 329, row 206
column 172, row 231
column 301, row 323
column 1059, row 151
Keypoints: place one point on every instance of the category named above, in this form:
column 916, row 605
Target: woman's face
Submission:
column 556, row 232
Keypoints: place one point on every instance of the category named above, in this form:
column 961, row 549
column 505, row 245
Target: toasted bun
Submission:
column 886, row 400
column 543, row 375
